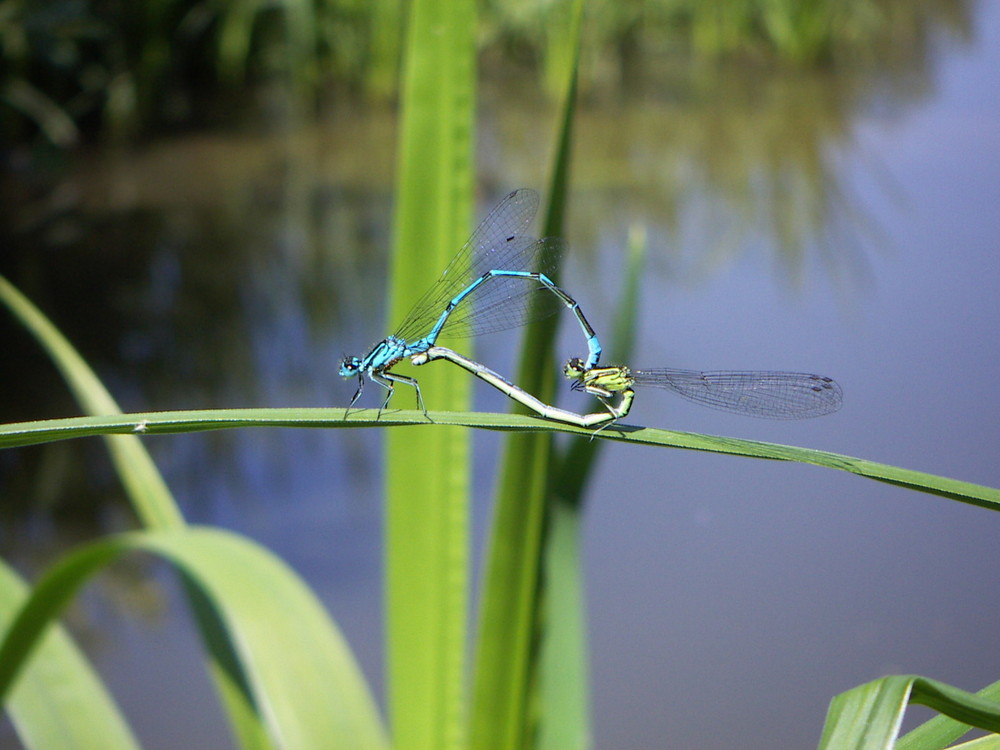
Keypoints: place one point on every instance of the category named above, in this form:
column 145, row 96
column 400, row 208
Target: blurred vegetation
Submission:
column 78, row 69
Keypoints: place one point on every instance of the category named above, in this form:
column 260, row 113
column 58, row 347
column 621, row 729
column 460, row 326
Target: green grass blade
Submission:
column 145, row 488
column 427, row 534
column 868, row 717
column 990, row 742
column 941, row 731
column 505, row 669
column 382, row 70
column 149, row 495
column 564, row 681
column 59, row 703
column 300, row 674
column 236, row 24
column 301, row 23
column 153, row 423
column 563, row 674
column 970, row 708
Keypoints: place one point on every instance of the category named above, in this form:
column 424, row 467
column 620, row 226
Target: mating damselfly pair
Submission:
column 493, row 284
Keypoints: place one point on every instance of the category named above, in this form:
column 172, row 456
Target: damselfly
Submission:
column 489, row 286
column 775, row 395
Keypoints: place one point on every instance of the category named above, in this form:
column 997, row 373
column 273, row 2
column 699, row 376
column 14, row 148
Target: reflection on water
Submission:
column 217, row 270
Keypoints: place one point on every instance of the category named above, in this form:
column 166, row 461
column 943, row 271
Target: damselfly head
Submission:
column 349, row 367
column 574, row 370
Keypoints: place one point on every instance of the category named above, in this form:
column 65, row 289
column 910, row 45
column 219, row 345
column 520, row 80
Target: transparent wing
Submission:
column 776, row 395
column 505, row 302
column 500, row 241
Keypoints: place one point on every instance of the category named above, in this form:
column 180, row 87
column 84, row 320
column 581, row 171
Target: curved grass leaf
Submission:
column 157, row 509
column 147, row 491
column 157, row 423
column 150, row 497
column 868, row 717
column 59, row 703
column 299, row 673
column 941, row 731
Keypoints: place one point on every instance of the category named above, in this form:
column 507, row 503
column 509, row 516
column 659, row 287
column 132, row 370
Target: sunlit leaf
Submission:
column 296, row 668
column 868, row 717
column 427, row 473
column 59, row 703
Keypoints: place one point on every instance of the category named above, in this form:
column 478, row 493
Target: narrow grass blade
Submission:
column 236, row 25
column 59, row 702
column 427, row 535
column 505, row 671
column 302, row 24
column 990, row 742
column 155, row 423
column 386, row 45
column 564, row 675
column 149, row 495
column 868, row 717
column 942, row 731
column 564, row 681
column 299, row 673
